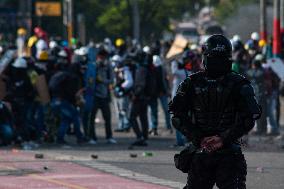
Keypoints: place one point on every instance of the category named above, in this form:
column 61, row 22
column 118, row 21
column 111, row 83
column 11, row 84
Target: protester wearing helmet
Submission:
column 256, row 74
column 88, row 74
column 240, row 56
column 123, row 82
column 108, row 46
column 272, row 86
column 41, row 44
column 214, row 109
column 252, row 45
column 139, row 97
column 62, row 60
column 162, row 92
column 21, row 41
column 64, row 86
column 21, row 94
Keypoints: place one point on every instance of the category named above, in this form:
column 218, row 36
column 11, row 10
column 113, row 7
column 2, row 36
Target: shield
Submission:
column 276, row 64
column 178, row 46
column 42, row 89
column 5, row 60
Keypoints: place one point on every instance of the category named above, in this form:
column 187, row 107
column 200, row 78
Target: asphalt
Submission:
column 265, row 158
column 113, row 162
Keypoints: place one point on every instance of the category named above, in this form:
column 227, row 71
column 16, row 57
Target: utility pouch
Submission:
column 183, row 160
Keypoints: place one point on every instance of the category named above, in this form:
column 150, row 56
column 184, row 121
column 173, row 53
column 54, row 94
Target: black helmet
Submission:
column 217, row 45
column 217, row 55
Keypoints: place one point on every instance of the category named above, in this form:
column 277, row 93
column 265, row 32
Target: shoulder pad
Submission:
column 247, row 90
column 184, row 85
column 237, row 77
column 196, row 75
column 236, row 80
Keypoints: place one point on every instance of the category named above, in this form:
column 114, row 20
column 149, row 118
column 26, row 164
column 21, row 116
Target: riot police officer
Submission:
column 214, row 109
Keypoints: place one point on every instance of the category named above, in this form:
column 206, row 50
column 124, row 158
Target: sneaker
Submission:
column 92, row 142
column 111, row 141
column 140, row 142
column 26, row 146
column 33, row 144
column 153, row 132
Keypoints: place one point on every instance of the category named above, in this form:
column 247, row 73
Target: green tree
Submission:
column 113, row 18
column 155, row 15
column 224, row 8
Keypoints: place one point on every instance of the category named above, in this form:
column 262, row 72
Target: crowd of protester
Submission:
column 54, row 87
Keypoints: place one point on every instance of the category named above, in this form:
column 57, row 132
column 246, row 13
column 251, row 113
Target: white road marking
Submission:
column 131, row 175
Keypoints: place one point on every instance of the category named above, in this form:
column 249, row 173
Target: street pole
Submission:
column 282, row 16
column 263, row 23
column 70, row 21
column 68, row 18
column 136, row 20
column 276, row 29
column 81, row 28
column 282, row 23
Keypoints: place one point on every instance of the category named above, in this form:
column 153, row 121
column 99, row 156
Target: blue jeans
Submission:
column 36, row 119
column 180, row 139
column 272, row 110
column 68, row 115
column 6, row 133
column 22, row 111
column 153, row 103
column 123, row 106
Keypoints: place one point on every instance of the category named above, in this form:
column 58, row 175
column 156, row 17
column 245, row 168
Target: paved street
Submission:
column 111, row 166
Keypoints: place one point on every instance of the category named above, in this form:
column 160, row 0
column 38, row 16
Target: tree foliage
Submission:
column 113, row 18
column 225, row 8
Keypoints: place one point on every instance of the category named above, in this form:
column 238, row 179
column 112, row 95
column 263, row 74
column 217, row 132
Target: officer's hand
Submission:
column 211, row 144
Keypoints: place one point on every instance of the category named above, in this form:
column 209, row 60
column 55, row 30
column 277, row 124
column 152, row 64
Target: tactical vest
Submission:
column 214, row 102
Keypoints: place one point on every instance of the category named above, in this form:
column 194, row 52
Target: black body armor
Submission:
column 206, row 107
column 217, row 103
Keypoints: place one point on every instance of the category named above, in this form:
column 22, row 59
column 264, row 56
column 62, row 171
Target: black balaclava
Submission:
column 217, row 66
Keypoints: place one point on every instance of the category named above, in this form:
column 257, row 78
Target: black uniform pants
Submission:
column 138, row 108
column 227, row 171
